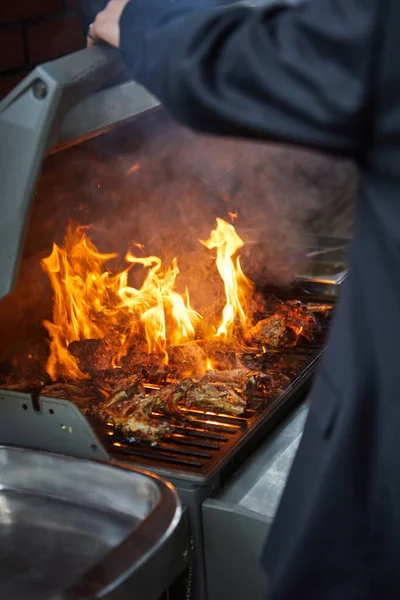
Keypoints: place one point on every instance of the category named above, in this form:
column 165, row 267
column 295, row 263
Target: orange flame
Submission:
column 91, row 303
column 135, row 167
column 237, row 286
column 81, row 290
column 155, row 301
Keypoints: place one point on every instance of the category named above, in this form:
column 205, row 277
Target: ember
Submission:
column 141, row 358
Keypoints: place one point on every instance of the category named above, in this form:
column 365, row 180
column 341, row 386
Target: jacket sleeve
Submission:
column 301, row 74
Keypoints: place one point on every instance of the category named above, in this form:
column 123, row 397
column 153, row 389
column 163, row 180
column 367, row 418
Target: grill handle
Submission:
column 30, row 119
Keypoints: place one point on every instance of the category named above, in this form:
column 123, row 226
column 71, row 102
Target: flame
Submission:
column 135, row 167
column 298, row 331
column 157, row 300
column 81, row 290
column 237, row 286
column 90, row 302
column 209, row 365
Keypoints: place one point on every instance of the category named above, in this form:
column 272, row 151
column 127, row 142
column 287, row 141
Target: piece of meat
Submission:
column 111, row 380
column 132, row 412
column 275, row 330
column 125, row 389
column 134, row 419
column 84, row 395
column 147, row 366
column 298, row 318
column 23, row 384
column 243, row 380
column 167, row 400
column 214, row 396
column 96, row 355
column 139, row 414
column 189, row 359
column 271, row 332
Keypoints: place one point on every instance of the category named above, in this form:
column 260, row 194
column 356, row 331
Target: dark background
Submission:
column 33, row 32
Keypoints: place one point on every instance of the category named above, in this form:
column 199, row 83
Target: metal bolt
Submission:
column 185, row 555
column 39, row 89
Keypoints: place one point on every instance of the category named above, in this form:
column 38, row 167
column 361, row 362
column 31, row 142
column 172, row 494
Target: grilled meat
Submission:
column 271, row 331
column 274, row 331
column 125, row 389
column 23, row 384
column 139, row 414
column 147, row 366
column 133, row 411
column 215, row 396
column 300, row 319
column 113, row 379
column 96, row 355
column 84, row 395
column 242, row 379
column 188, row 358
column 133, row 416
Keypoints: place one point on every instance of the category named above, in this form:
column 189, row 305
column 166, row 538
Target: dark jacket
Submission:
column 325, row 74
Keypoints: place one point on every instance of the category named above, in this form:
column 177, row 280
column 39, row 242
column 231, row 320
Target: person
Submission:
column 321, row 74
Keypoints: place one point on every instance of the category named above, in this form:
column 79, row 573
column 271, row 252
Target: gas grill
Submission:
column 200, row 456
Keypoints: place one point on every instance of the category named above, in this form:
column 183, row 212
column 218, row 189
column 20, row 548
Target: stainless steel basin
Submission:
column 73, row 528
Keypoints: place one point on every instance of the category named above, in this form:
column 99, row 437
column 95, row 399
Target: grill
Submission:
column 95, row 182
column 214, row 444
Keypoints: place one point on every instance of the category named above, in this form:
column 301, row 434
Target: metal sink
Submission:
column 73, row 529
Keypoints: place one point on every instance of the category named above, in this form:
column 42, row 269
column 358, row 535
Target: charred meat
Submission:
column 215, row 396
column 139, row 414
column 272, row 332
column 133, row 415
column 84, row 395
column 243, row 380
column 290, row 317
column 188, row 358
column 131, row 412
column 95, row 355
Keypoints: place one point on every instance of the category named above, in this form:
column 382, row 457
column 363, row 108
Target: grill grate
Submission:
column 213, row 442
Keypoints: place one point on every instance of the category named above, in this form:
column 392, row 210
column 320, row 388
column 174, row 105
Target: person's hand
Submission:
column 106, row 24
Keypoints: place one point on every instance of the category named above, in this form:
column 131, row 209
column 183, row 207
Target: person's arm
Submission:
column 300, row 74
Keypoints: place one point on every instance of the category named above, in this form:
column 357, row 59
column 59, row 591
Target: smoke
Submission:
column 156, row 183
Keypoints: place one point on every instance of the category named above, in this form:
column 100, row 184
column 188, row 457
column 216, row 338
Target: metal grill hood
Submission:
column 46, row 111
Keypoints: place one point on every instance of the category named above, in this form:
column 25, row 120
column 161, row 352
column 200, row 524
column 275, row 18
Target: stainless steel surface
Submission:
column 239, row 516
column 30, row 118
column 326, row 266
column 73, row 528
column 47, row 424
column 259, row 483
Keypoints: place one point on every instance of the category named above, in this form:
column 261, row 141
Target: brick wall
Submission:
column 34, row 31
